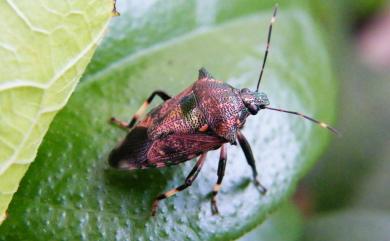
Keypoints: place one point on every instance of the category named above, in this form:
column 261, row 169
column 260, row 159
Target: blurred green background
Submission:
column 353, row 175
column 352, row 172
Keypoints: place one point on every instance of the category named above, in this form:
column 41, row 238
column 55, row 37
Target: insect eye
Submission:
column 253, row 109
column 245, row 90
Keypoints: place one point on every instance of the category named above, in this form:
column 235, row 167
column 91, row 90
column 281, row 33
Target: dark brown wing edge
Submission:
column 132, row 151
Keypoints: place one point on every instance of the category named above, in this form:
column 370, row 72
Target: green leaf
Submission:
column 349, row 225
column 79, row 197
column 285, row 224
column 146, row 24
column 44, row 49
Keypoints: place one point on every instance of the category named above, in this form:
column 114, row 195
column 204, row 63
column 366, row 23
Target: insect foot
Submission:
column 114, row 11
column 154, row 207
column 260, row 187
column 214, row 207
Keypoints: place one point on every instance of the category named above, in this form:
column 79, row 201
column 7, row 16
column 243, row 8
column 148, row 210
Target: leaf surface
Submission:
column 44, row 49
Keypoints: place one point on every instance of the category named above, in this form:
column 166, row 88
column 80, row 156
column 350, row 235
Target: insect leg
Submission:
column 188, row 182
column 114, row 11
column 221, row 173
column 164, row 96
column 246, row 148
column 119, row 123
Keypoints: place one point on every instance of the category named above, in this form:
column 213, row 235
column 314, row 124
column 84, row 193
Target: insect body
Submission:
column 206, row 116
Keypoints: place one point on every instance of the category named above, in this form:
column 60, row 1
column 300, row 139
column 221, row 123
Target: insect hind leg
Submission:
column 221, row 173
column 246, row 148
column 128, row 125
column 188, row 182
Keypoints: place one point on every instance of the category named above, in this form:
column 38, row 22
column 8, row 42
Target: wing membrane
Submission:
column 175, row 149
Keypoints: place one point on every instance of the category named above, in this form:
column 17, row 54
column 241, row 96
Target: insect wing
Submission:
column 175, row 149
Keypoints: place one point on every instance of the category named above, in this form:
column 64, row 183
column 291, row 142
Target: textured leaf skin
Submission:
column 44, row 48
column 81, row 198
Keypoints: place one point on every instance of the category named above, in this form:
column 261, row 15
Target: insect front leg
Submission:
column 188, row 182
column 164, row 96
column 246, row 148
column 221, row 173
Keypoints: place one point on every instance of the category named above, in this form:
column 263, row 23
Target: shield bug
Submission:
column 208, row 115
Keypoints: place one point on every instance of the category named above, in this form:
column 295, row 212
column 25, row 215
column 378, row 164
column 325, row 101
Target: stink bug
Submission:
column 207, row 115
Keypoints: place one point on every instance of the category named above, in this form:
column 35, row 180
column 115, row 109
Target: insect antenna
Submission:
column 267, row 46
column 322, row 124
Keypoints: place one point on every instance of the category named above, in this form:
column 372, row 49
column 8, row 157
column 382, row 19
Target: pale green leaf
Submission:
column 44, row 49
